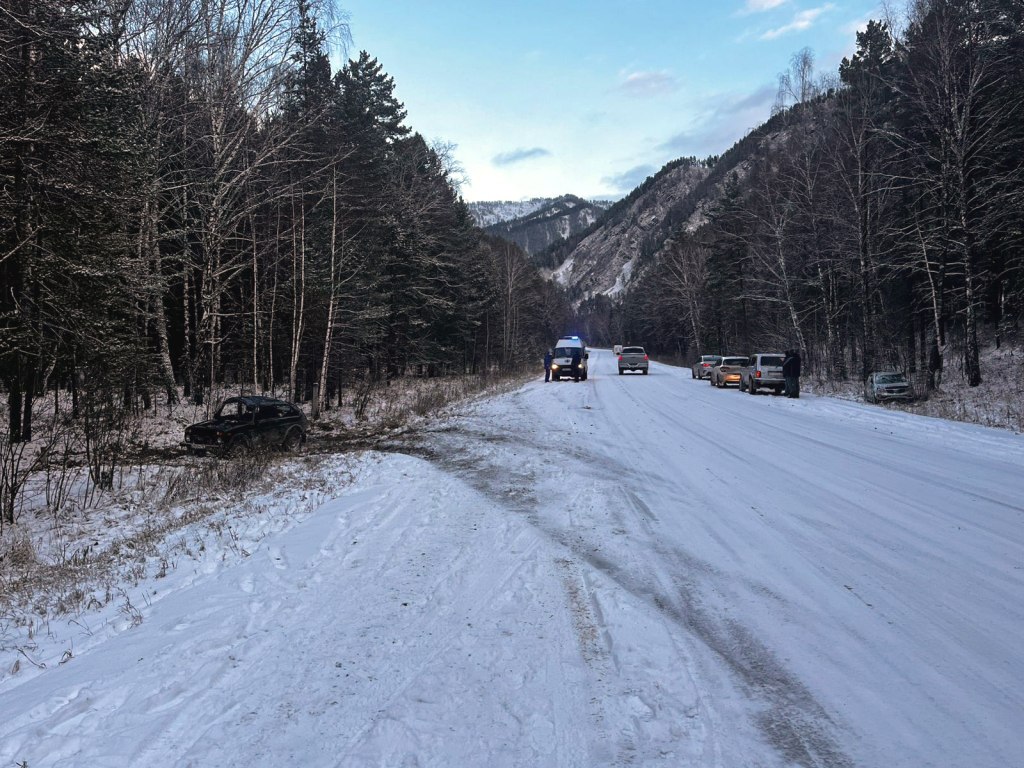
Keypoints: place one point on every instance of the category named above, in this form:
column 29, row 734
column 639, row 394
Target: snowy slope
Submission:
column 632, row 570
column 486, row 213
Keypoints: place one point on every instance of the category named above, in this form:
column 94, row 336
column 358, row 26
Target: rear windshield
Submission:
column 771, row 361
column 710, row 358
column 632, row 350
column 734, row 361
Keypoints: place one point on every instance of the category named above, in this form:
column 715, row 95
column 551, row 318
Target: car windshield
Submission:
column 891, row 378
column 771, row 361
column 734, row 361
column 632, row 350
column 234, row 410
column 710, row 358
column 565, row 351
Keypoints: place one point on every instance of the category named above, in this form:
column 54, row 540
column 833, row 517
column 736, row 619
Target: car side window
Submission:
column 266, row 412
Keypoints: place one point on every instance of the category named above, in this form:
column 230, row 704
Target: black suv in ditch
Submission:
column 247, row 423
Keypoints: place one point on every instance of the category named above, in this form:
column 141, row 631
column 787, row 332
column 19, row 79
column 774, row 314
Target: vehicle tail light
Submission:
column 620, row 358
column 757, row 374
column 645, row 357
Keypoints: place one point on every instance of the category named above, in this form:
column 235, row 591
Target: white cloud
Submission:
column 801, row 21
column 853, row 27
column 628, row 180
column 760, row 6
column 648, row 84
column 726, row 118
column 519, row 155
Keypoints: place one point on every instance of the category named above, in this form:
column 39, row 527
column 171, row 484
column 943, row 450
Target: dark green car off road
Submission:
column 249, row 423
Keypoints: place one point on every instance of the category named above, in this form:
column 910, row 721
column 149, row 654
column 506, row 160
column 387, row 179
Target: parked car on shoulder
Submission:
column 633, row 359
column 617, row 349
column 702, row 368
column 728, row 371
column 882, row 386
column 247, row 423
column 763, row 371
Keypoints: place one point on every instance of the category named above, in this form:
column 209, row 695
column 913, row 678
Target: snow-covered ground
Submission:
column 632, row 570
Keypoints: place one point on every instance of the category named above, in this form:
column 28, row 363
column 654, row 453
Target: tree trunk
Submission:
column 298, row 300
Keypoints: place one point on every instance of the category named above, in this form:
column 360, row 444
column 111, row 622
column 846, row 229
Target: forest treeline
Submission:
column 879, row 220
column 191, row 199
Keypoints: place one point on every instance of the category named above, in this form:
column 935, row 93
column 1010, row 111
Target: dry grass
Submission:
column 75, row 547
column 997, row 402
column 163, row 507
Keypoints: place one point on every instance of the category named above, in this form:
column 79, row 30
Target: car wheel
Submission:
column 621, row 371
column 645, row 371
column 292, row 441
column 237, row 447
column 752, row 388
column 692, row 374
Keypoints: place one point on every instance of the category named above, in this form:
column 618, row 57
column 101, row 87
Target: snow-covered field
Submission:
column 632, row 570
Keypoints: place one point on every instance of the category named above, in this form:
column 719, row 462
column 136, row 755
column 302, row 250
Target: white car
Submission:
column 566, row 349
column 702, row 368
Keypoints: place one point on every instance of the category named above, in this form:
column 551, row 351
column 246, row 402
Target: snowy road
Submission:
column 632, row 570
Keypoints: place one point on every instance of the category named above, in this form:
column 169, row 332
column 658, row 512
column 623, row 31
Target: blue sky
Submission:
column 543, row 98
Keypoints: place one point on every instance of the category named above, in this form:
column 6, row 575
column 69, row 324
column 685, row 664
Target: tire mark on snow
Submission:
column 792, row 721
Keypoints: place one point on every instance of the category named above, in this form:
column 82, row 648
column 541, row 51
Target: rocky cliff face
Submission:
column 605, row 259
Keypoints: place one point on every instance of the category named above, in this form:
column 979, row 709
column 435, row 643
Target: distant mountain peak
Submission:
column 486, row 213
column 538, row 223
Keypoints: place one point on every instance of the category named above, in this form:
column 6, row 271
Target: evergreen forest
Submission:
column 193, row 202
column 875, row 221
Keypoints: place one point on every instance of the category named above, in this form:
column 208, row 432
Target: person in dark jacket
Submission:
column 548, row 357
column 791, row 372
column 577, row 356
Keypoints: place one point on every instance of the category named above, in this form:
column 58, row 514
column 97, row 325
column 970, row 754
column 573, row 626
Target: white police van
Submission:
column 561, row 363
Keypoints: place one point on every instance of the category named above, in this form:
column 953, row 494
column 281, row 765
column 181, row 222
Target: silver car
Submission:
column 633, row 359
column 764, row 371
column 888, row 385
column 702, row 368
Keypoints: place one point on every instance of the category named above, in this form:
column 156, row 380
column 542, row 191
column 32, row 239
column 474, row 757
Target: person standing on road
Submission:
column 791, row 372
column 577, row 356
column 548, row 357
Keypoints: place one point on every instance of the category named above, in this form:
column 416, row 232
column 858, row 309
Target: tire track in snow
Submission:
column 699, row 741
column 791, row 720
